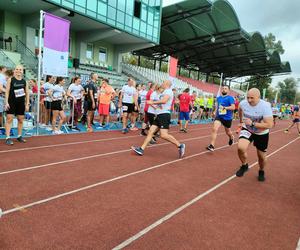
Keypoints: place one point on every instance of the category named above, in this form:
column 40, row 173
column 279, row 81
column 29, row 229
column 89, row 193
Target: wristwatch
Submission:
column 253, row 124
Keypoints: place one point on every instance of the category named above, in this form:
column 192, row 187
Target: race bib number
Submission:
column 222, row 110
column 124, row 108
column 245, row 134
column 19, row 92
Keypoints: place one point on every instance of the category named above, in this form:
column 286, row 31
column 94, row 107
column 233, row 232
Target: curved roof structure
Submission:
column 207, row 36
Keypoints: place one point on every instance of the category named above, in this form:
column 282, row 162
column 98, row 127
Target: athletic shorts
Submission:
column 16, row 107
column 162, row 121
column 202, row 107
column 127, row 107
column 90, row 105
column 48, row 104
column 103, row 109
column 184, row 116
column 150, row 118
column 259, row 141
column 1, row 104
column 56, row 105
column 297, row 120
column 225, row 123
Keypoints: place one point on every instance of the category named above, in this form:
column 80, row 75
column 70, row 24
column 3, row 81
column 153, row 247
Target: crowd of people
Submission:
column 152, row 104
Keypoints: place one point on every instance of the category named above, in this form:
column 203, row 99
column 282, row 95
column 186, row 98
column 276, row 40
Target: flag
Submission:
column 56, row 46
column 173, row 66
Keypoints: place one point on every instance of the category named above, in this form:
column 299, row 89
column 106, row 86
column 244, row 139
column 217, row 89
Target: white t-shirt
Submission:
column 76, row 90
column 154, row 97
column 128, row 94
column 256, row 114
column 48, row 86
column 166, row 108
column 143, row 94
column 58, row 92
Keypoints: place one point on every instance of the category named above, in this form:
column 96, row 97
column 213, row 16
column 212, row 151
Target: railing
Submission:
column 27, row 56
column 8, row 41
column 6, row 61
column 129, row 71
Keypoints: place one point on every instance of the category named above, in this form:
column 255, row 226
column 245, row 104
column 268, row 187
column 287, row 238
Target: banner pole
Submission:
column 39, row 70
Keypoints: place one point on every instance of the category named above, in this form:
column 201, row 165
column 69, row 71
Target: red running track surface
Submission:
column 241, row 214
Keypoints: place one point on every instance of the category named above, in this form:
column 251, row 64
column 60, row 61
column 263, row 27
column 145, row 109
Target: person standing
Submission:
column 296, row 119
column 162, row 121
column 224, row 111
column 256, row 120
column 184, row 106
column 16, row 103
column 92, row 96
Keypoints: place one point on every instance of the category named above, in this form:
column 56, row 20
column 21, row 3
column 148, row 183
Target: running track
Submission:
column 88, row 191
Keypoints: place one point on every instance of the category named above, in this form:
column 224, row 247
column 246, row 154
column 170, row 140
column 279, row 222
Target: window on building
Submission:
column 102, row 55
column 137, row 8
column 89, row 51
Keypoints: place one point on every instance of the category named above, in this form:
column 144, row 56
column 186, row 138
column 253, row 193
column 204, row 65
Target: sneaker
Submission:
column 9, row 142
column 230, row 142
column 21, row 139
column 59, row 132
column 181, row 130
column 261, row 175
column 185, row 130
column 152, row 142
column 286, row 131
column 210, row 148
column 242, row 170
column 138, row 150
column 124, row 130
column 76, row 128
column 181, row 150
column 134, row 129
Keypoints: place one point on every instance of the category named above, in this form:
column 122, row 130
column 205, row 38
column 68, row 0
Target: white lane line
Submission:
column 106, row 181
column 93, row 156
column 111, row 180
column 186, row 205
column 81, row 142
column 298, row 245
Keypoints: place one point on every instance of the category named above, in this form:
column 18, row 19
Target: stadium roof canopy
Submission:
column 207, row 36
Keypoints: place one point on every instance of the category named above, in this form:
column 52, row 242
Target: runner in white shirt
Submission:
column 128, row 102
column 58, row 94
column 162, row 121
column 256, row 119
column 75, row 91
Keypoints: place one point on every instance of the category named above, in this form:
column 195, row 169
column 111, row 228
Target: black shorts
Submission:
column 225, row 123
column 259, row 141
column 296, row 120
column 48, row 104
column 16, row 107
column 90, row 105
column 162, row 121
column 202, row 107
column 127, row 107
column 56, row 105
column 150, row 118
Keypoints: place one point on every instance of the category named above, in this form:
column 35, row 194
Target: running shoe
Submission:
column 181, row 130
column 76, row 128
column 286, row 131
column 261, row 175
column 124, row 130
column 230, row 142
column 210, row 148
column 152, row 142
column 181, row 150
column 185, row 130
column 134, row 129
column 9, row 142
column 59, row 132
column 242, row 170
column 138, row 150
column 21, row 139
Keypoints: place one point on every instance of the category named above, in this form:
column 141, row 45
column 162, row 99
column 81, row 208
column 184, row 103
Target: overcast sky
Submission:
column 279, row 17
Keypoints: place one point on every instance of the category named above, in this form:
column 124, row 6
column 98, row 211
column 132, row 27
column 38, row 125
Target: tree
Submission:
column 288, row 90
column 271, row 44
column 259, row 82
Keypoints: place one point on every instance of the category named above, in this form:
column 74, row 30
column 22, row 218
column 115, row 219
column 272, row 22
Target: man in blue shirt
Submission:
column 223, row 116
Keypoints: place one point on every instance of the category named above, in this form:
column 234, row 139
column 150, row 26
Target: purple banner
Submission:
column 56, row 33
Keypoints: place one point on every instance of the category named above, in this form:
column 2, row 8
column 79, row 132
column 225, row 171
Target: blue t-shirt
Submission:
column 224, row 101
column 296, row 109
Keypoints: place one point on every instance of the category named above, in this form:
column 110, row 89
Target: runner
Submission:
column 224, row 110
column 296, row 119
column 184, row 106
column 162, row 121
column 16, row 103
column 128, row 101
column 75, row 91
column 58, row 95
column 48, row 85
column 255, row 119
column 152, row 87
column 275, row 111
column 106, row 95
